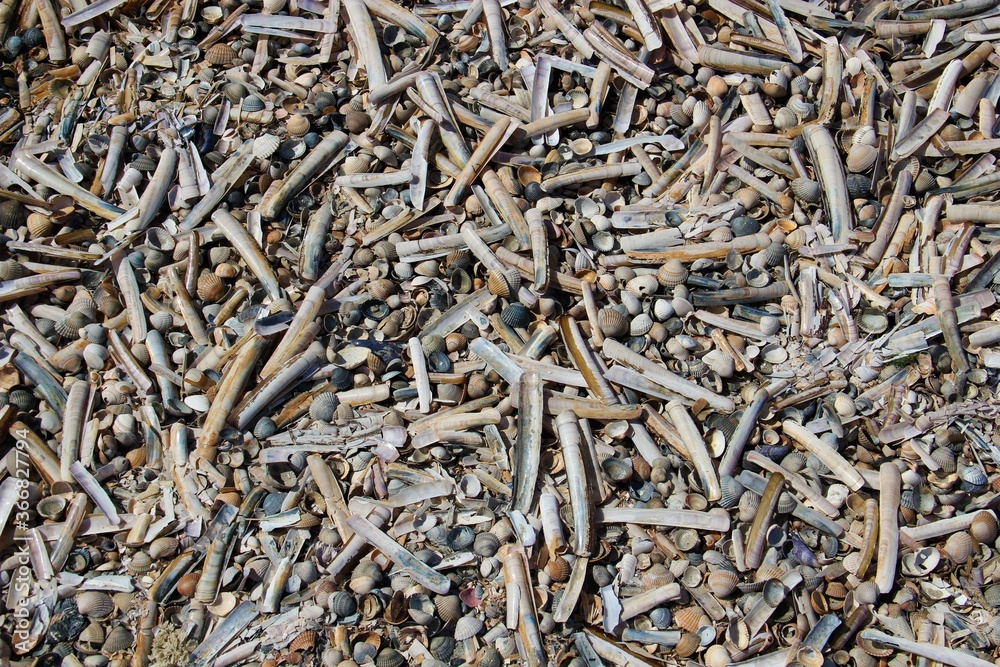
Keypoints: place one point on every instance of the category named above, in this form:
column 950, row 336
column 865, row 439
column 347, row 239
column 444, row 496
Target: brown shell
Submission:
column 688, row 644
column 141, row 563
column 95, row 604
column 188, row 583
column 559, row 569
column 211, row 288
column 672, row 273
column 297, row 125
column 613, row 322
column 861, row 157
column 984, row 527
column 959, row 547
column 119, row 640
column 723, row 582
column 220, row 54
column 39, row 225
column 691, row 618
column 303, row 641
column 449, row 608
column 381, row 288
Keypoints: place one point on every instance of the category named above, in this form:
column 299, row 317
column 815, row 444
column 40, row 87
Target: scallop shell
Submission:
column 95, row 604
column 672, row 273
column 959, row 547
column 723, row 582
column 559, row 569
column 11, row 214
column 503, row 283
column 69, row 326
column 390, row 657
column 220, row 54
column 442, row 647
column 687, row 645
column 861, row 157
column 749, row 503
column 118, row 640
column 872, row 321
column 163, row 547
column 265, row 145
column 785, row 118
column 612, row 322
column 39, row 226
column 303, row 641
column 468, row 627
column 744, row 226
column 516, row 315
column 297, row 125
column 342, row 604
column 211, row 287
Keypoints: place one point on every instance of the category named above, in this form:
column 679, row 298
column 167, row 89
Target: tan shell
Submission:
column 119, row 640
column 91, row 639
column 717, row 656
column 358, row 164
column 612, row 322
column 672, row 273
column 298, row 125
column 95, row 604
column 866, row 135
column 959, row 547
column 723, row 582
column 984, row 527
column 767, row 571
column 220, row 54
column 211, row 287
column 559, row 569
column 39, row 225
column 265, row 145
column 449, row 607
column 125, row 601
column 141, row 563
column 861, row 157
column 303, row 641
column 381, row 288
column 691, row 618
column 688, row 644
column 866, row 593
column 503, row 283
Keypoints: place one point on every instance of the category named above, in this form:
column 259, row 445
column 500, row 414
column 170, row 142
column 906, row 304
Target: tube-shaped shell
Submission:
column 890, row 489
column 318, row 159
column 830, row 172
column 244, row 244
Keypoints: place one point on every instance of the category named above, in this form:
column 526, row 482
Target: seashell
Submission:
column 872, row 321
column 959, row 547
column 866, row 593
column 161, row 321
column 749, row 503
column 358, row 164
column 364, row 652
column 11, row 214
column 984, row 528
column 442, row 647
column 95, row 604
column 701, row 114
column 211, row 288
column 613, row 322
column 234, row 92
column 461, row 538
column 144, row 163
column 39, row 226
column 687, row 645
column 297, row 125
column 744, row 226
column 973, row 477
column 265, row 145
column 342, row 604
column 11, row 269
column 163, row 547
column 486, row 544
column 643, row 285
column 141, row 563
column 722, row 583
column 859, row 185
column 449, row 608
column 806, row 190
column 303, row 641
column 691, row 618
column 118, row 640
column 389, row 657
column 516, row 316
column 490, row 658
column 468, row 627
column 641, row 324
column 785, row 118
column 732, row 491
column 618, row 469
column 324, row 406
column 861, row 157
column 717, row 656
column 220, row 54
column 672, row 273
column 925, row 181
column 559, row 569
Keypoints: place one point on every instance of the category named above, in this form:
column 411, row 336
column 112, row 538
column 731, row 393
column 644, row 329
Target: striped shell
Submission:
column 39, row 225
column 613, row 322
column 687, row 645
column 253, row 104
column 672, row 273
column 449, row 608
column 717, row 656
column 11, row 269
column 503, row 283
column 84, row 304
column 861, row 157
column 516, row 316
column 264, row 145
column 468, row 627
column 358, row 164
column 749, row 503
column 641, row 324
column 442, row 647
column 866, row 135
column 807, row 190
column 559, row 569
column 723, row 582
column 984, row 527
column 211, row 288
column 69, row 326
column 381, row 288
column 303, row 641
column 732, row 492
column 785, row 118
column 141, row 563
column 342, row 604
column 866, row 593
column 162, row 321
column 95, row 604
column 390, row 657
column 297, row 125
column 959, row 547
column 163, row 547
column 691, row 618
column 324, row 406
column 486, row 544
column 220, row 54
column 119, row 640
column 11, row 214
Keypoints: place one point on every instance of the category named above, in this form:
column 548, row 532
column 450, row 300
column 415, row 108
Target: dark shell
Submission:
column 11, row 214
column 491, row 658
column 859, row 186
column 461, row 537
column 342, row 604
column 744, row 226
column 442, row 647
column 374, row 309
column 67, row 623
column 516, row 315
column 341, row 379
column 486, row 544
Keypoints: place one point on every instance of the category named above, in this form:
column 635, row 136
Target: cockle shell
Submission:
column 861, row 157
column 95, row 604
column 959, row 547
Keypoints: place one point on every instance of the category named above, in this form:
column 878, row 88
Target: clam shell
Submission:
column 516, row 316
column 389, row 657
column 613, row 323
column 717, row 656
column 141, row 563
column 959, row 547
column 806, row 190
column 220, row 54
column 687, row 645
column 342, row 604
column 297, row 125
column 211, row 287
column 672, row 273
column 95, row 604
column 722, row 583
column 163, row 547
column 486, row 544
column 691, row 618
column 984, row 528
column 118, row 640
column 449, row 608
column 861, row 157
column 265, row 145
column 468, row 627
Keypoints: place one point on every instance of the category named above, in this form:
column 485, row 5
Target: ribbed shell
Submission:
column 264, row 145
column 490, row 658
column 39, row 225
column 303, row 641
column 163, row 547
column 973, row 475
column 141, row 563
column 486, row 544
column 389, row 657
column 503, row 283
column 11, row 269
column 866, row 593
column 744, row 226
column 298, row 125
column 612, row 322
column 461, row 538
column 161, row 321
column 381, row 288
column 806, row 190
column 690, row 618
column 516, row 315
column 861, row 157
column 872, row 321
column 119, row 640
column 95, row 604
column 984, row 527
column 468, row 627
column 864, row 135
column 559, row 569
column 449, row 608
column 687, row 645
column 69, row 325
column 749, row 503
column 144, row 163
column 442, row 647
column 211, row 288
column 732, row 491
column 672, row 273
column 959, row 547
column 785, row 118
column 92, row 637
column 234, row 92
column 220, row 54
column 11, row 214
column 774, row 254
column 858, row 185
column 723, row 582
column 641, row 324
column 253, row 104
column 342, row 604
column 618, row 469
column 717, row 656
